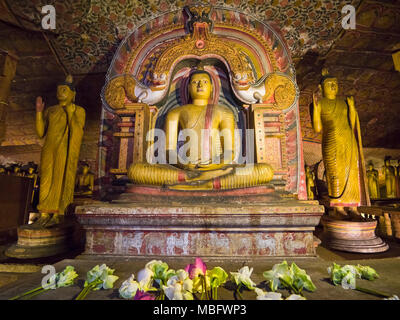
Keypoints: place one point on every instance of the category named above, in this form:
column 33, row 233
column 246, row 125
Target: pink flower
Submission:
column 199, row 267
column 142, row 295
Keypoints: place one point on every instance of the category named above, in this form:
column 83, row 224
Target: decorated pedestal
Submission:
column 352, row 236
column 43, row 242
column 237, row 227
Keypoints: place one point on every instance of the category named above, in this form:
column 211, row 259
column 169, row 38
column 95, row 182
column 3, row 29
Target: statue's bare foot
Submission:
column 209, row 175
column 339, row 214
column 42, row 221
column 354, row 214
column 55, row 219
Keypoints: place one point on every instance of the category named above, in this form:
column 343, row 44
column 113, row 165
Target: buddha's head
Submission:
column 329, row 85
column 66, row 92
column 370, row 166
column 85, row 168
column 200, row 86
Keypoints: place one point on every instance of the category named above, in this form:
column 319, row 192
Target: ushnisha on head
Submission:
column 329, row 85
column 66, row 91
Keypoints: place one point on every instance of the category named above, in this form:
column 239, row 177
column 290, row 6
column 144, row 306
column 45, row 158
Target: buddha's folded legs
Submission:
column 236, row 177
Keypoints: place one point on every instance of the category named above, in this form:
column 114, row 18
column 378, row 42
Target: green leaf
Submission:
column 301, row 279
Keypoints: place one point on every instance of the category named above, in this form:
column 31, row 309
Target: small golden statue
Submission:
column 390, row 179
column 84, row 181
column 62, row 126
column 32, row 173
column 210, row 163
column 373, row 181
column 3, row 169
column 310, row 182
column 341, row 147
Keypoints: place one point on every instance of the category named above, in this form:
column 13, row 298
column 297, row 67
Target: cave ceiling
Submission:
column 89, row 31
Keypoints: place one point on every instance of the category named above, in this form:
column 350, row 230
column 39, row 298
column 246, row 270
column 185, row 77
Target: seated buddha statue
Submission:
column 84, row 181
column 210, row 164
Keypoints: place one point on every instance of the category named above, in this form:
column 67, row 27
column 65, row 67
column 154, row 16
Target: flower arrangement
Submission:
column 61, row 279
column 346, row 276
column 291, row 277
column 99, row 277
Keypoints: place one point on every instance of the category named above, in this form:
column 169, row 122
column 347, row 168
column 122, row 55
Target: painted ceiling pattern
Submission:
column 88, row 32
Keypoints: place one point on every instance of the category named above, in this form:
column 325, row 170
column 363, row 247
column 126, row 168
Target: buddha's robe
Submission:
column 373, row 184
column 59, row 157
column 342, row 154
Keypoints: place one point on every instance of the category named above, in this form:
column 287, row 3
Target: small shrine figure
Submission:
column 373, row 181
column 310, row 181
column 84, row 181
column 342, row 151
column 397, row 173
column 390, row 179
column 16, row 170
column 3, row 169
column 32, row 173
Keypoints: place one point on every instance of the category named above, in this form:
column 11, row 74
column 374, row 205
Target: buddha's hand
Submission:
column 350, row 101
column 39, row 104
column 317, row 106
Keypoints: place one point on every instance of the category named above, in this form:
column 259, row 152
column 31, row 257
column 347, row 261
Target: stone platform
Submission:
column 208, row 227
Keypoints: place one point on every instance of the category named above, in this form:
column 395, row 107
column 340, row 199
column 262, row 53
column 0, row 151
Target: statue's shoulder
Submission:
column 224, row 109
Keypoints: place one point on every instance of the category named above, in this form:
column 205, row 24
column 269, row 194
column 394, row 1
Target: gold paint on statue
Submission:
column 390, row 179
column 310, row 183
column 84, row 181
column 373, row 181
column 210, row 159
column 62, row 126
column 341, row 146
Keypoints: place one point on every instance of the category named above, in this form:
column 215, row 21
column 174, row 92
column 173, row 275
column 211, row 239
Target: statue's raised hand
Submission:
column 350, row 101
column 39, row 104
column 316, row 105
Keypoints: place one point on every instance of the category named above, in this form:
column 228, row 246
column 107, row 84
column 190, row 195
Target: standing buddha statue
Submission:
column 341, row 148
column 310, row 182
column 373, row 181
column 62, row 126
column 390, row 179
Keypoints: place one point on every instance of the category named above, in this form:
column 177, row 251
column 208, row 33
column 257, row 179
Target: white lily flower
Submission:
column 145, row 279
column 179, row 287
column 295, row 297
column 243, row 276
column 129, row 287
column 262, row 295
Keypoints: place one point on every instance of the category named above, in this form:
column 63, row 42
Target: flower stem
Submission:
column 373, row 292
column 238, row 291
column 35, row 293
column 26, row 293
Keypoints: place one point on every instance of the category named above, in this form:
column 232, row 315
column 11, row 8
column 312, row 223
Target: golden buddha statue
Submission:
column 3, row 170
column 373, row 181
column 210, row 164
column 17, row 170
column 390, row 179
column 31, row 173
column 310, row 183
column 341, row 147
column 62, row 126
column 84, row 181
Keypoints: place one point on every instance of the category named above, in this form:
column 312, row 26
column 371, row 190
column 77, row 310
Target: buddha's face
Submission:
column 200, row 86
column 330, row 87
column 30, row 170
column 370, row 166
column 65, row 94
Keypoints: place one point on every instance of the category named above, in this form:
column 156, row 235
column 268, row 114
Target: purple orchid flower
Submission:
column 142, row 295
column 199, row 267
